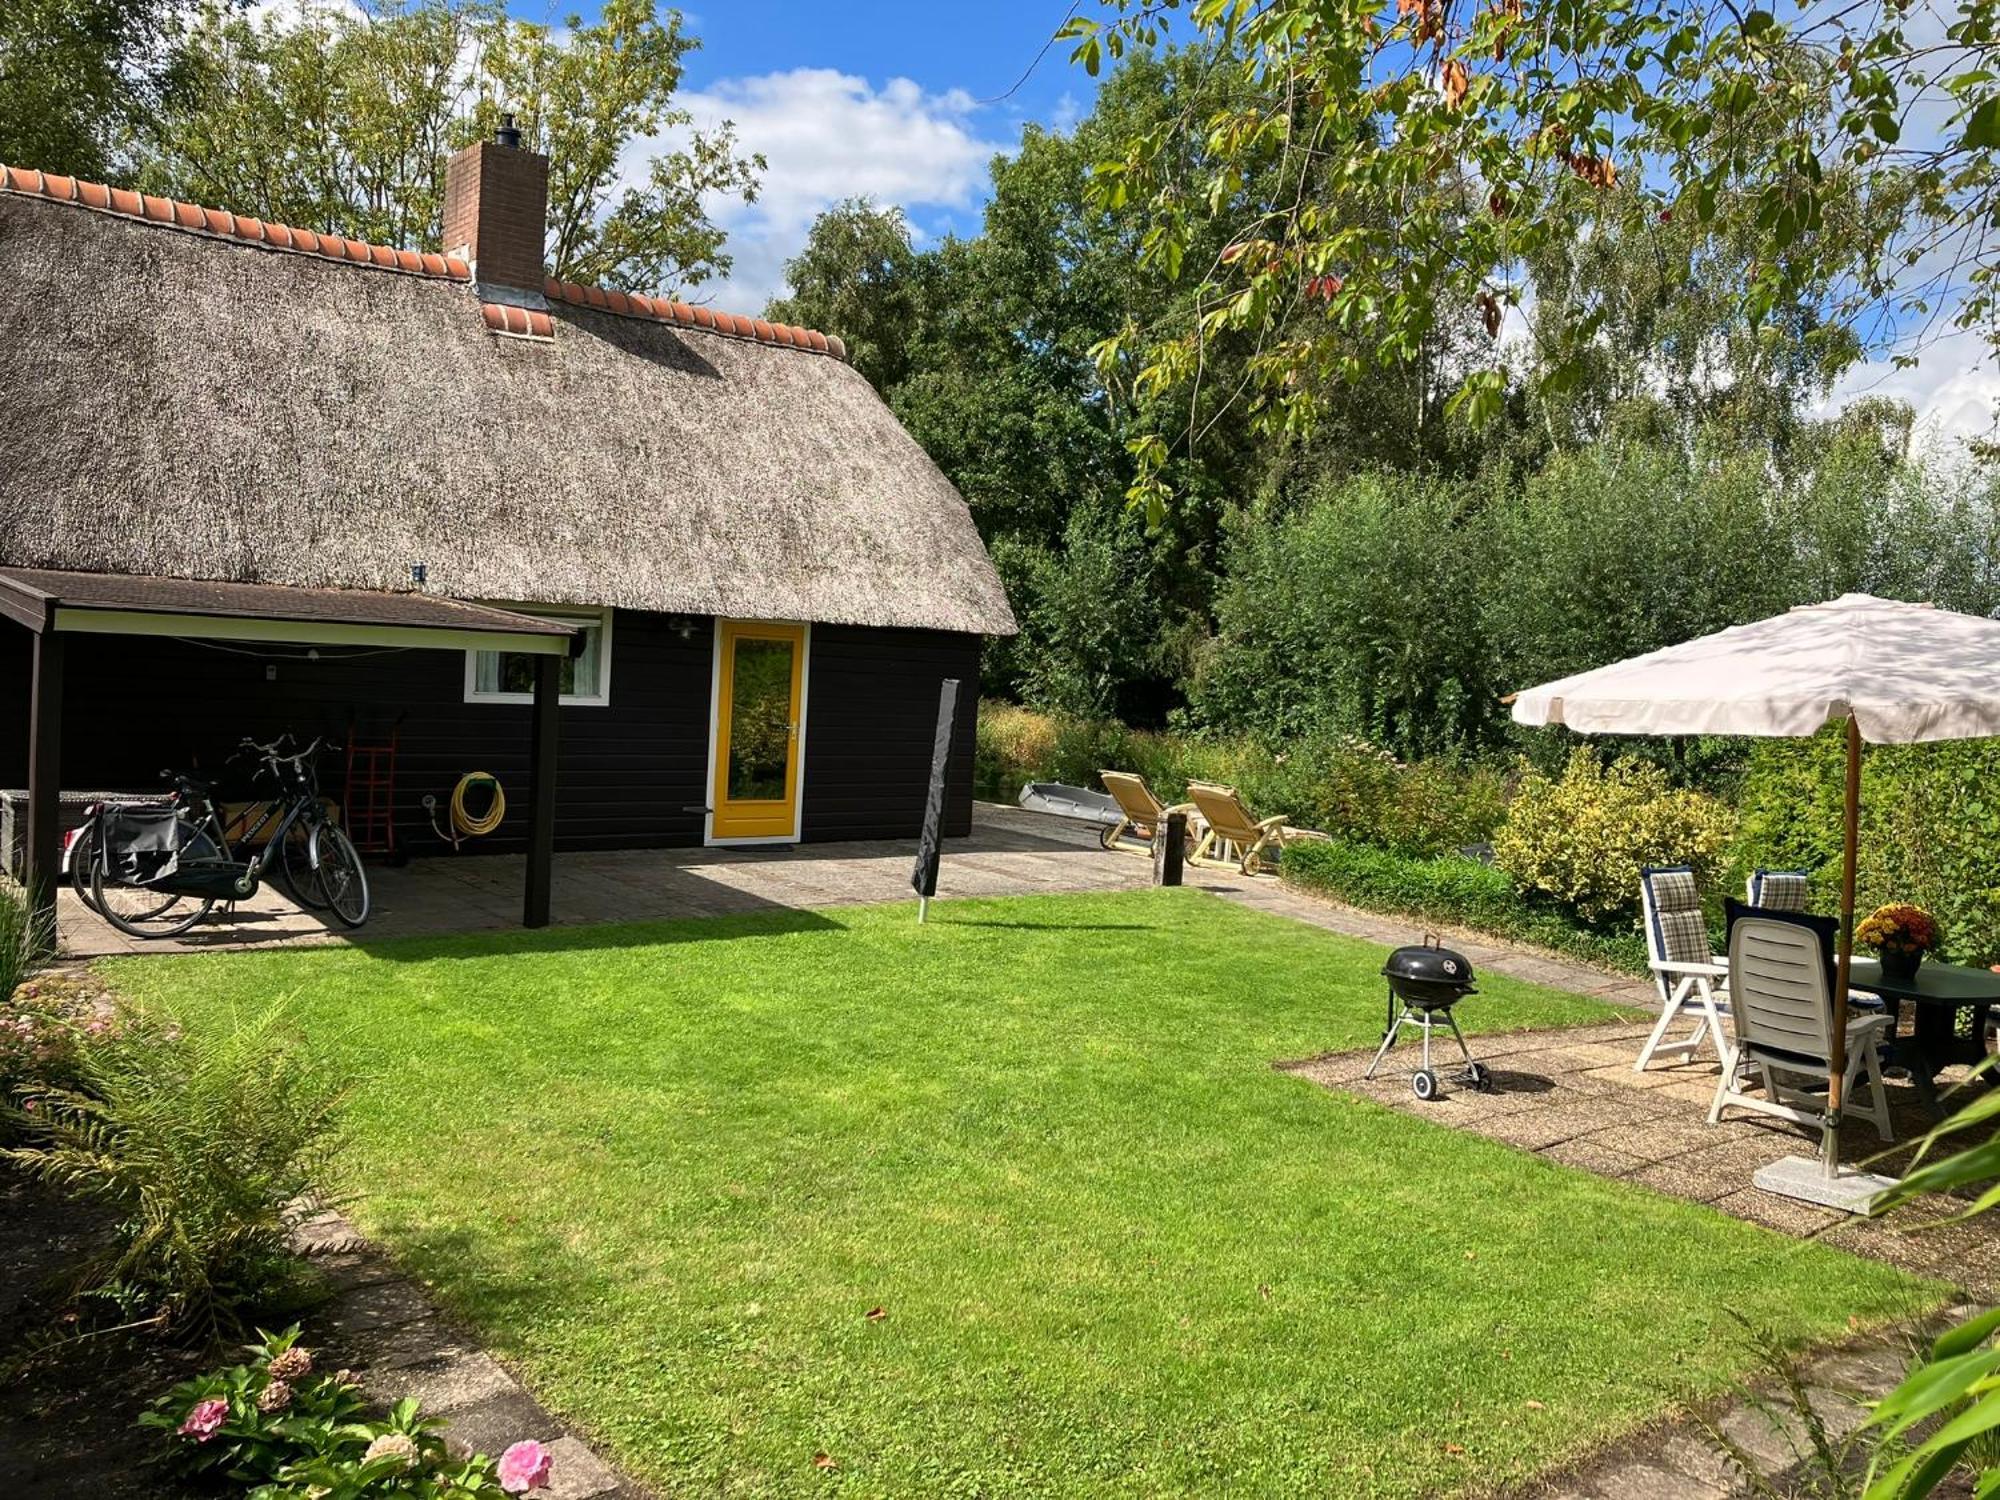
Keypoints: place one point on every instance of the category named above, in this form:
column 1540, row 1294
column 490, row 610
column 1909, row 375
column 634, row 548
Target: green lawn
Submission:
column 670, row 1169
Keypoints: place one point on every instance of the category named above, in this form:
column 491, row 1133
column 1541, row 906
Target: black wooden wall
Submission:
column 871, row 720
column 633, row 773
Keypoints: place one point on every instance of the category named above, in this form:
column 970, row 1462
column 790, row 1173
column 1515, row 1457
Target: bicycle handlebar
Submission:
column 271, row 753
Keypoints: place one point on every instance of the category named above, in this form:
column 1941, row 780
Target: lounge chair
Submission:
column 1777, row 890
column 1690, row 978
column 1142, row 812
column 1781, row 999
column 1232, row 832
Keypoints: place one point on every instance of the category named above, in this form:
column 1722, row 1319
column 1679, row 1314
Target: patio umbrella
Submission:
column 1897, row 673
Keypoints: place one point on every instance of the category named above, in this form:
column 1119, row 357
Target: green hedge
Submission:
column 1930, row 829
column 1454, row 890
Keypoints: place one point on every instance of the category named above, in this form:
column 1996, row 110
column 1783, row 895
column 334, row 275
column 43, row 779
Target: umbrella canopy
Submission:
column 1904, row 672
column 1895, row 673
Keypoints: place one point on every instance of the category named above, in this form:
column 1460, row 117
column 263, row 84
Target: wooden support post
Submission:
column 1850, row 849
column 45, row 715
column 542, row 791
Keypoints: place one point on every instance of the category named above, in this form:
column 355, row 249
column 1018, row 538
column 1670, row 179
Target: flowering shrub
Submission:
column 1898, row 929
column 284, row 1429
column 42, row 1032
column 1581, row 841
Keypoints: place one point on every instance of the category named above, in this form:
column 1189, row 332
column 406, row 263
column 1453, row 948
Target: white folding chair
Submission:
column 1691, row 979
column 1777, row 890
column 1781, row 999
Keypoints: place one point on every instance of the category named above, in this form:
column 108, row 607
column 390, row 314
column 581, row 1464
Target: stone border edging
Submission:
column 384, row 1327
column 1680, row 1460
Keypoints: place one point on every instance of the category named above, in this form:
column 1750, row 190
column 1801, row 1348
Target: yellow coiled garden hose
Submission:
column 464, row 822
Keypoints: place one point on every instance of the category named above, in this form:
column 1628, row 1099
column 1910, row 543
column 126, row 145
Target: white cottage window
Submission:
column 509, row 676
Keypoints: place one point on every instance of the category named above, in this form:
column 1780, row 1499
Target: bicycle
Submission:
column 165, row 857
column 191, row 798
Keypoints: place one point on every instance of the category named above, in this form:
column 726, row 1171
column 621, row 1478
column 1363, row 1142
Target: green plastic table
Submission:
column 1938, row 993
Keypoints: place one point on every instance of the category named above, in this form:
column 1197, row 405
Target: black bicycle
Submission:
column 193, row 799
column 158, row 870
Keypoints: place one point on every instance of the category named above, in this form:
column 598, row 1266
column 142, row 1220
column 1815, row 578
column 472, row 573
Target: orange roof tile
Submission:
column 221, row 224
column 225, row 225
column 686, row 315
column 521, row 322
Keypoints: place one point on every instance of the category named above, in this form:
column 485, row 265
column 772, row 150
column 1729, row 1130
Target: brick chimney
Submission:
column 496, row 209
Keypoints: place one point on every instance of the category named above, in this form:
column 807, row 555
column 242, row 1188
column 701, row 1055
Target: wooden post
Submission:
column 1844, row 966
column 542, row 791
column 1170, row 849
column 45, row 715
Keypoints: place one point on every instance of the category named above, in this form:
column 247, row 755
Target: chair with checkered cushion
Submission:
column 1691, row 979
column 1776, row 890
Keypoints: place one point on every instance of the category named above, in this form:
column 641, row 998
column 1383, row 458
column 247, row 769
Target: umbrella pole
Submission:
column 1844, row 966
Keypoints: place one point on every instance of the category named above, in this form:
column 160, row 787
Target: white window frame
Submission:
column 599, row 699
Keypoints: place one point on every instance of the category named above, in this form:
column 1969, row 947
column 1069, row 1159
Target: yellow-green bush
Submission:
column 1581, row 840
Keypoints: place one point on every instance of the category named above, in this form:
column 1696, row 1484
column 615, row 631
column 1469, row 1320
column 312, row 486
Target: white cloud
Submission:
column 1955, row 389
column 825, row 136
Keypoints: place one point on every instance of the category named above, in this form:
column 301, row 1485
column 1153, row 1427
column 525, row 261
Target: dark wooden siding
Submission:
column 628, row 772
column 871, row 717
column 632, row 774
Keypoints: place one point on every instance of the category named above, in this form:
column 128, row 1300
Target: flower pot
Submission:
column 1899, row 965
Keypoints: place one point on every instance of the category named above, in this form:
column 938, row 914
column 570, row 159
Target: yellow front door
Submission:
column 760, row 690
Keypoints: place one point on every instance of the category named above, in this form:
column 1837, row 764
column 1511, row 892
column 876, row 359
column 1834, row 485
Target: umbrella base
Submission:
column 1804, row 1178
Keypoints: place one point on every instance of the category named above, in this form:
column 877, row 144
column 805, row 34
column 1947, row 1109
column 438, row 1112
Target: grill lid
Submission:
column 1430, row 965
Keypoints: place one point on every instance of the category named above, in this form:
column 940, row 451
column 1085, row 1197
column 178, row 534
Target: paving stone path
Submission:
column 1488, row 955
column 383, row 1327
column 1683, row 1459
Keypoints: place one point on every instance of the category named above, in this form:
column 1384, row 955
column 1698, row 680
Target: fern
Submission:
column 199, row 1144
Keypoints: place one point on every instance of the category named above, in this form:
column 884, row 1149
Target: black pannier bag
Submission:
column 142, row 845
column 145, row 846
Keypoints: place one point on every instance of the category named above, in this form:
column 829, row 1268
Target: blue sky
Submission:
column 897, row 101
column 902, row 102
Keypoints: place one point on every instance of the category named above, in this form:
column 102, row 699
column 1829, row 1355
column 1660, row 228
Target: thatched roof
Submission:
column 187, row 403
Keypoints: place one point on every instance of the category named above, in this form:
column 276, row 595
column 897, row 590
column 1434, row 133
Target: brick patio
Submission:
column 1571, row 1096
column 1009, row 853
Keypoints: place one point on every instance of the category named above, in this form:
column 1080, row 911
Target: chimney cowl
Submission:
column 509, row 134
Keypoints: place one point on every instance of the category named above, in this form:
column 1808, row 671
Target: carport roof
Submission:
column 130, row 604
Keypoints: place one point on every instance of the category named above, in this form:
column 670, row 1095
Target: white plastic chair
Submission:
column 1691, row 979
column 1781, row 999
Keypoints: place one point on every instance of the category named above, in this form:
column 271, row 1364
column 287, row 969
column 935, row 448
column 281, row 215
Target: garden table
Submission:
column 1937, row 994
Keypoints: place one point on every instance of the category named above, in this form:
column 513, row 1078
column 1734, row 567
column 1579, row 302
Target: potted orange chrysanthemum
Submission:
column 1900, row 935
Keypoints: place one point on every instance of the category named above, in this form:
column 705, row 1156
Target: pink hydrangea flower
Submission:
column 524, row 1467
column 204, row 1419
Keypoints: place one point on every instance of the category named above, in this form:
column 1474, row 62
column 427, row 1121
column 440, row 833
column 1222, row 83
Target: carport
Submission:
column 53, row 605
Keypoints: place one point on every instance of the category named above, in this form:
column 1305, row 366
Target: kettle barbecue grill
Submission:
column 1427, row 979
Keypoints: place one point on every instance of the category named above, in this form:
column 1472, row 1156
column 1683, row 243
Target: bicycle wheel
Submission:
column 341, row 878
column 295, row 863
column 143, row 912
column 82, row 860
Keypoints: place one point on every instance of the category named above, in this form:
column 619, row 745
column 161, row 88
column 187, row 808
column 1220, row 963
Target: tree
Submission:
column 857, row 277
column 1468, row 139
column 341, row 120
column 78, row 78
